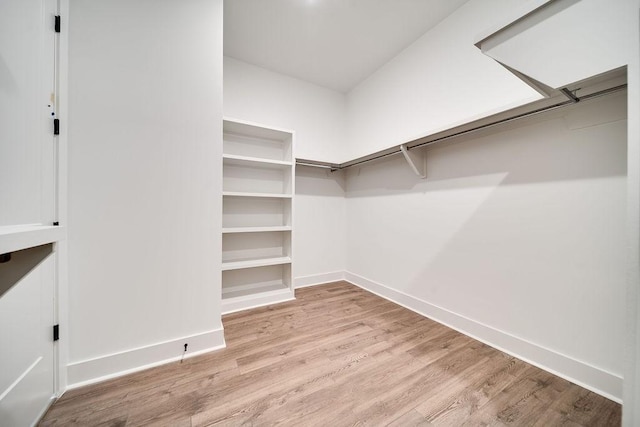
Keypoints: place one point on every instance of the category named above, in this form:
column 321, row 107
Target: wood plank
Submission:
column 410, row 418
column 577, row 406
column 337, row 355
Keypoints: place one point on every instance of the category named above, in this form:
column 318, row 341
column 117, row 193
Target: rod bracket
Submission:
column 570, row 94
column 417, row 162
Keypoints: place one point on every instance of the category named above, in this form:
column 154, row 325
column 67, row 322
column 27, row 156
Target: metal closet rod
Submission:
column 396, row 150
column 315, row 164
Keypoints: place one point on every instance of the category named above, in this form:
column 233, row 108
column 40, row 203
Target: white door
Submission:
column 26, row 349
column 27, row 195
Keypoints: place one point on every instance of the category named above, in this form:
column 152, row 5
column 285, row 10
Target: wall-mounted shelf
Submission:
column 257, row 219
column 230, row 230
column 591, row 44
column 231, row 159
column 243, row 212
column 265, row 195
column 256, row 262
column 18, row 237
column 241, row 298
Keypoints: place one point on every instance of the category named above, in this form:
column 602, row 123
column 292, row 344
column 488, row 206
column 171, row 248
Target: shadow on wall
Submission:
column 313, row 181
column 21, row 263
column 522, row 229
column 578, row 142
column 543, row 261
column 8, row 84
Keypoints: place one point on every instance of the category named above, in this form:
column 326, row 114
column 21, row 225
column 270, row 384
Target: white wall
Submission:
column 26, row 134
column 317, row 115
column 144, row 182
column 631, row 409
column 515, row 237
column 440, row 81
column 320, row 226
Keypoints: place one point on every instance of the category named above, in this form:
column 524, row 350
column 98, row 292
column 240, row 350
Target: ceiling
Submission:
column 332, row 43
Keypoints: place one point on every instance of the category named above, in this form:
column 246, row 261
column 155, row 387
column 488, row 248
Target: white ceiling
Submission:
column 332, row 43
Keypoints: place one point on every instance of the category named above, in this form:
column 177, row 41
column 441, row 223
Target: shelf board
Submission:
column 265, row 195
column 233, row 159
column 18, row 237
column 255, row 262
column 252, row 289
column 229, row 230
column 254, row 130
column 259, row 296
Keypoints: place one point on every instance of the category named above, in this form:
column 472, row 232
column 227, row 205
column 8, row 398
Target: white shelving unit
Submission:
column 257, row 219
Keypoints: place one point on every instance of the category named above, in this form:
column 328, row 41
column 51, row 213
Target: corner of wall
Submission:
column 590, row 377
column 318, row 279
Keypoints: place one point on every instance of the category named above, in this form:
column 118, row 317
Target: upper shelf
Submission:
column 255, row 130
column 18, row 237
column 595, row 38
column 249, row 142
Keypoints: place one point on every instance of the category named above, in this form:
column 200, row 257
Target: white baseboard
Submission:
column 114, row 365
column 254, row 301
column 592, row 378
column 318, row 279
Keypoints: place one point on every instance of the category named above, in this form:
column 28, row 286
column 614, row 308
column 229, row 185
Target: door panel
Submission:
column 27, row 196
column 27, row 65
column 26, row 354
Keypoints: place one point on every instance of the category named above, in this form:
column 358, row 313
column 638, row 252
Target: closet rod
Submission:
column 524, row 115
column 396, row 150
column 317, row 164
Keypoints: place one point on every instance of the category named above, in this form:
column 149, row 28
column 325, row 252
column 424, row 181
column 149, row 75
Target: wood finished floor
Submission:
column 338, row 356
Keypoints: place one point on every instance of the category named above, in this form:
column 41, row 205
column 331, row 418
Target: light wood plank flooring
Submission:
column 338, row 356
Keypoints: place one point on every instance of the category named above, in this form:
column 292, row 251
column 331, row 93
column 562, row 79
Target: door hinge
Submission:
column 56, row 126
column 57, row 23
column 56, row 332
